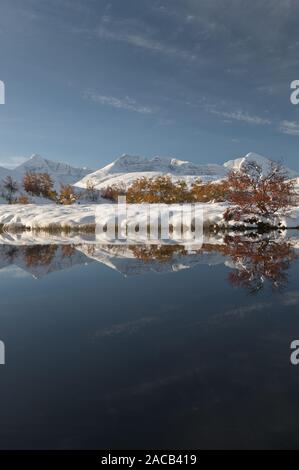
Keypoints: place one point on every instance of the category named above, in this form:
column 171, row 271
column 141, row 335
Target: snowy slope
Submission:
column 59, row 172
column 39, row 216
column 264, row 162
column 127, row 168
column 4, row 172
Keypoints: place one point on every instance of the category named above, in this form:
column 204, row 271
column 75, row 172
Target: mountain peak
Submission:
column 36, row 157
column 61, row 173
column 127, row 168
column 264, row 162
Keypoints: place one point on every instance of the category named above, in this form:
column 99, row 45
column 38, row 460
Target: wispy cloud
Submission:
column 120, row 103
column 240, row 116
column 143, row 41
column 289, row 127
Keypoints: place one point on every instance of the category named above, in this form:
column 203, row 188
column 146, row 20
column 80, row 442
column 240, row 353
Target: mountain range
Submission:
column 127, row 168
column 61, row 173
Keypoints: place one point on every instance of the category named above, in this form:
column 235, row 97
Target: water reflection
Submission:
column 258, row 262
column 254, row 261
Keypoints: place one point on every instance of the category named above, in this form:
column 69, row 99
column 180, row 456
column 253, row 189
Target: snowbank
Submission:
column 40, row 216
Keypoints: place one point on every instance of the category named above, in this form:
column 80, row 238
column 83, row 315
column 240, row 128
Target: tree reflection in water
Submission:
column 259, row 261
column 255, row 260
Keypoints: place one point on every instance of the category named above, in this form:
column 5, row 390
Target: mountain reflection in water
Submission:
column 254, row 262
column 98, row 356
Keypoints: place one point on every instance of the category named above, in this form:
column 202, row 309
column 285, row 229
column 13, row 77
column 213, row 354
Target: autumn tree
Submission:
column 91, row 191
column 46, row 186
column 30, row 183
column 161, row 189
column 67, row 195
column 23, row 199
column 256, row 195
column 39, row 184
column 210, row 191
column 10, row 188
column 113, row 191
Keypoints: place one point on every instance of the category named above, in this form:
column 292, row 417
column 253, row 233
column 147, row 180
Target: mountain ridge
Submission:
column 127, row 168
column 61, row 173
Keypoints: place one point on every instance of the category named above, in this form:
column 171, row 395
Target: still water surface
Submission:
column 166, row 350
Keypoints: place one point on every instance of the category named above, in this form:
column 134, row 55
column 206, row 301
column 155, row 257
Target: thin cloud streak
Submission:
column 144, row 42
column 240, row 116
column 289, row 128
column 126, row 103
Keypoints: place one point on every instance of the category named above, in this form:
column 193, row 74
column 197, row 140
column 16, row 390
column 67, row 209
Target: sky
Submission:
column 200, row 80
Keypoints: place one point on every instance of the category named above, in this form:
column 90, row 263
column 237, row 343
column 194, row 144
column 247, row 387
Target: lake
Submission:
column 149, row 347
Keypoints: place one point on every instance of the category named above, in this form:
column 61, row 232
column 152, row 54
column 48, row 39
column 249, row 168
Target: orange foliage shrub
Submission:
column 39, row 184
column 23, row 199
column 255, row 194
column 112, row 192
column 67, row 195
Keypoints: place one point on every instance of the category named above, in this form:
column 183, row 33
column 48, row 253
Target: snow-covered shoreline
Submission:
column 34, row 216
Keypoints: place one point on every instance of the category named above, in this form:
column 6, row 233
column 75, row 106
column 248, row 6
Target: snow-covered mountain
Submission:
column 264, row 163
column 124, row 170
column 4, row 172
column 59, row 172
column 128, row 168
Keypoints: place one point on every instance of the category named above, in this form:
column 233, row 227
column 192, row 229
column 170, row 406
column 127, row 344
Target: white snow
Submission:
column 128, row 168
column 264, row 162
column 15, row 249
column 34, row 215
column 122, row 171
column 59, row 172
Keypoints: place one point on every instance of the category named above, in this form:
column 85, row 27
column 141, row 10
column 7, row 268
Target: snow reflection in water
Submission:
column 254, row 261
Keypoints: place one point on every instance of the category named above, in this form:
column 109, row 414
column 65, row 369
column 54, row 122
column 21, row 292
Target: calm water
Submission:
column 148, row 354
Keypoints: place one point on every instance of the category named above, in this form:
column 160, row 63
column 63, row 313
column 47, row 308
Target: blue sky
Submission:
column 203, row 80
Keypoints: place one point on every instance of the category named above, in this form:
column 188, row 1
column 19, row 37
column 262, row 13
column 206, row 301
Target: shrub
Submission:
column 160, row 189
column 67, row 195
column 23, row 199
column 91, row 192
column 112, row 192
column 209, row 192
column 39, row 184
column 163, row 189
column 10, row 188
column 255, row 194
